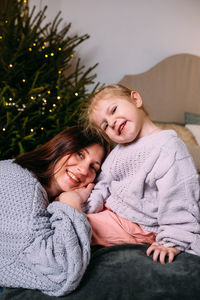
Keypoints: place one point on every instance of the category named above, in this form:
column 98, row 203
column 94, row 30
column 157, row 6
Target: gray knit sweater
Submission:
column 42, row 246
column 153, row 182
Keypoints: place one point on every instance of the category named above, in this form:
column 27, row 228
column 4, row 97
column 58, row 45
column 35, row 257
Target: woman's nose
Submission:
column 83, row 168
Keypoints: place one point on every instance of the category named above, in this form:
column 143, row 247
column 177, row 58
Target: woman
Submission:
column 45, row 245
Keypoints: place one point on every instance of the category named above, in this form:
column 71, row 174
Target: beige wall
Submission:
column 129, row 36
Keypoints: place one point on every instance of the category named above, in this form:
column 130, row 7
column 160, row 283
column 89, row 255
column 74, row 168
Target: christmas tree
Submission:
column 43, row 85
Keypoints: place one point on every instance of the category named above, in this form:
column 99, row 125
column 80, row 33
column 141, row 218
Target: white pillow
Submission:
column 195, row 129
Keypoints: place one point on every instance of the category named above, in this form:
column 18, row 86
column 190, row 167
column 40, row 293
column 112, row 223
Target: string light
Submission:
column 10, row 65
column 59, row 49
column 31, row 129
column 50, row 110
column 54, row 105
column 30, row 49
column 72, row 55
column 76, row 94
column 46, row 55
column 52, row 54
column 1, row 37
column 6, row 21
column 42, row 128
column 4, row 129
column 59, row 72
column 58, row 97
column 34, row 44
column 24, row 80
column 49, row 92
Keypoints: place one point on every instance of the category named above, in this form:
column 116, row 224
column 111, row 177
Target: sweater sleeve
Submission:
column 178, row 197
column 60, row 250
column 101, row 190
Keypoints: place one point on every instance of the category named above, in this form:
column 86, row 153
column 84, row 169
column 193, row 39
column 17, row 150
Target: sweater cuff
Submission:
column 72, row 213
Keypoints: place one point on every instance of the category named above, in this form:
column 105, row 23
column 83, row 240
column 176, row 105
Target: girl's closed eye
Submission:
column 105, row 126
column 114, row 109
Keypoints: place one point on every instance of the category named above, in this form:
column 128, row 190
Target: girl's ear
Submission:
column 136, row 98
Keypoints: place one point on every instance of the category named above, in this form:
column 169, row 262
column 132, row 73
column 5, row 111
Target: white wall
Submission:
column 129, row 36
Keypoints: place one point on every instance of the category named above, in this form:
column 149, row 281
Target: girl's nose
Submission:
column 111, row 123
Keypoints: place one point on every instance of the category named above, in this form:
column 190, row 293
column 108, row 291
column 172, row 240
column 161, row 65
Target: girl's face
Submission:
column 76, row 170
column 120, row 118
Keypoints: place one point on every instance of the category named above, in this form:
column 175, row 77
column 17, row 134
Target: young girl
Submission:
column 148, row 183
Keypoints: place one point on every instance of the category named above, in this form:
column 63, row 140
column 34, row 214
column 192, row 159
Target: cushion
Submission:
column 187, row 137
column 195, row 153
column 191, row 118
column 184, row 133
column 195, row 130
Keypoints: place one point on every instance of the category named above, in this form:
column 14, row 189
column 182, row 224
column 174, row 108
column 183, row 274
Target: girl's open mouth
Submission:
column 121, row 127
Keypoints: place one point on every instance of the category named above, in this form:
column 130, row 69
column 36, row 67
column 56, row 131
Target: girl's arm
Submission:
column 178, row 209
column 101, row 191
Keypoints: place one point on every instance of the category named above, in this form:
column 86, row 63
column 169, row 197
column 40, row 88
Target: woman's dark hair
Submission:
column 42, row 160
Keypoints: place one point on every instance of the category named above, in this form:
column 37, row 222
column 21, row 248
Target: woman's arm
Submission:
column 60, row 251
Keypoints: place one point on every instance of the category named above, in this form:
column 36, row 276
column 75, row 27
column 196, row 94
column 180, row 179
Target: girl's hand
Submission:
column 160, row 251
column 76, row 197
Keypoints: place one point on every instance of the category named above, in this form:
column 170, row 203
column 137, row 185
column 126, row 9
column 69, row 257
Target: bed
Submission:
column 171, row 92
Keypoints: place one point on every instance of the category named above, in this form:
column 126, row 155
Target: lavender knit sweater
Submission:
column 42, row 246
column 153, row 182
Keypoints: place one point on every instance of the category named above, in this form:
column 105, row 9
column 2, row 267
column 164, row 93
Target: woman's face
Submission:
column 76, row 170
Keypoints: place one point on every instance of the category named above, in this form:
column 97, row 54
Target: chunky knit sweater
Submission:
column 153, row 182
column 42, row 246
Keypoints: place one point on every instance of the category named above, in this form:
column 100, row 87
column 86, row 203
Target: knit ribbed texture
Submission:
column 153, row 182
column 42, row 246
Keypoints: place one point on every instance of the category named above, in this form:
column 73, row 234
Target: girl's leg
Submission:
column 109, row 229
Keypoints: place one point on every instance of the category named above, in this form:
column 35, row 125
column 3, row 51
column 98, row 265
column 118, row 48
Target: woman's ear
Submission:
column 136, row 98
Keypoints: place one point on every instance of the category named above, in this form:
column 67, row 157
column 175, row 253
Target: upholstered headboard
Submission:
column 170, row 88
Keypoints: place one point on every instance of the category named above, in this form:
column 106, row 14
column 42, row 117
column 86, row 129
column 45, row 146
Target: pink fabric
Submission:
column 109, row 229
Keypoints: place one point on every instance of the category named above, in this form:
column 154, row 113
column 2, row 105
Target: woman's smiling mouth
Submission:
column 72, row 176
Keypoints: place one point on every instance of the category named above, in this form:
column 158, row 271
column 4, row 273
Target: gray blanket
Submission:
column 124, row 272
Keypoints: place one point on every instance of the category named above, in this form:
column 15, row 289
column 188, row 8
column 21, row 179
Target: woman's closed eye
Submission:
column 94, row 168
